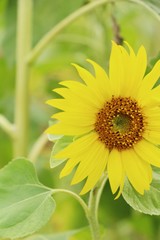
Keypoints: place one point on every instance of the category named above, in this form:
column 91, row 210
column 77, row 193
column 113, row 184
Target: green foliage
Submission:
column 60, row 236
column 25, row 204
column 154, row 5
column 59, row 145
column 149, row 202
column 49, row 14
column 88, row 37
column 79, row 234
column 151, row 65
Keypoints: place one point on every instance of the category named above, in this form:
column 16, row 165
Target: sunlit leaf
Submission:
column 77, row 234
column 60, row 144
column 53, row 137
column 149, row 202
column 58, row 236
column 25, row 204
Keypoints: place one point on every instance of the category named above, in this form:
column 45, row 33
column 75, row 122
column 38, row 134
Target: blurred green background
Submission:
column 88, row 37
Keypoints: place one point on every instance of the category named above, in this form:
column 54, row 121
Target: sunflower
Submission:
column 115, row 119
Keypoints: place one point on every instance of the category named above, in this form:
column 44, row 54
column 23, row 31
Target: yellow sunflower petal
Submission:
column 141, row 64
column 89, row 161
column 71, row 163
column 152, row 116
column 118, row 114
column 115, row 170
column 155, row 94
column 152, row 136
column 131, row 52
column 91, row 82
column 66, row 129
column 77, row 147
column 82, row 120
column 96, row 174
column 78, row 151
column 152, row 111
column 148, row 152
column 135, row 67
column 74, row 106
column 125, row 89
column 133, row 167
column 121, row 185
column 116, row 69
column 102, row 80
column 82, row 92
column 149, row 80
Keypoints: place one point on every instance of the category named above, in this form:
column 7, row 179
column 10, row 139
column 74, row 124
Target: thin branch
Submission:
column 7, row 126
column 76, row 196
column 36, row 51
column 116, row 31
column 38, row 147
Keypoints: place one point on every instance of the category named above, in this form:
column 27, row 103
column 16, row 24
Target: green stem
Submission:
column 7, row 126
column 93, row 205
column 74, row 195
column 36, row 51
column 37, row 147
column 22, row 74
column 91, row 210
column 43, row 43
column 145, row 5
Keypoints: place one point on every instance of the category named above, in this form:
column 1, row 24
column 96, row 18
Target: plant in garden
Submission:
column 108, row 128
column 115, row 119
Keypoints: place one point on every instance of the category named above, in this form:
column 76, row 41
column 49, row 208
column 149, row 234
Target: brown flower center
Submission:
column 120, row 123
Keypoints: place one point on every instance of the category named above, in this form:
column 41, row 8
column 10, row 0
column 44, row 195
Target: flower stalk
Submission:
column 24, row 23
column 91, row 210
column 94, row 199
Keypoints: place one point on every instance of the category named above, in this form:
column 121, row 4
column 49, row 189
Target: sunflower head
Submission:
column 120, row 123
column 116, row 117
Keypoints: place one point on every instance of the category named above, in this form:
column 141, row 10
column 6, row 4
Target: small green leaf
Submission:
column 78, row 234
column 25, row 204
column 151, row 65
column 59, row 145
column 58, row 236
column 53, row 137
column 149, row 202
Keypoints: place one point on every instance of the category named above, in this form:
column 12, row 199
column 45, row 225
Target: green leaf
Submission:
column 58, row 236
column 25, row 204
column 53, row 137
column 154, row 5
column 149, row 202
column 59, row 145
column 77, row 234
column 151, row 65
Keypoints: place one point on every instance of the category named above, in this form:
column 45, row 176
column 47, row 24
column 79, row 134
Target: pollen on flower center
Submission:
column 120, row 123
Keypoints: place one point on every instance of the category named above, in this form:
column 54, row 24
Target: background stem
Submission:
column 38, row 147
column 74, row 195
column 24, row 20
column 43, row 43
column 7, row 126
column 93, row 205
